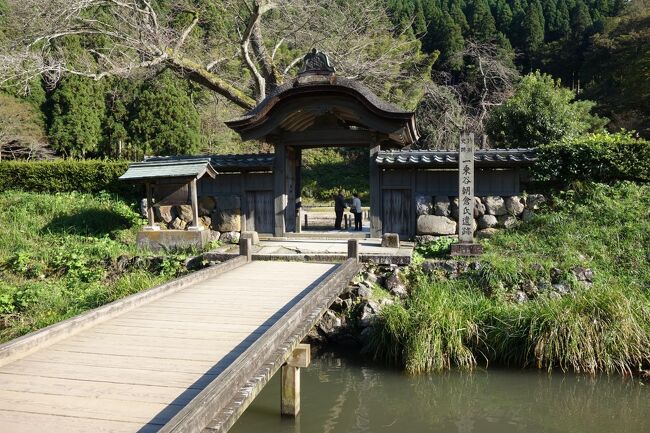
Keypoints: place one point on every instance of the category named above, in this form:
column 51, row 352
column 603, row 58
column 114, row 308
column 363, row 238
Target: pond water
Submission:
column 340, row 395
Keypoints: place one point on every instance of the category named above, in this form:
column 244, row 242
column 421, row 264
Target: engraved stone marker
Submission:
column 465, row 245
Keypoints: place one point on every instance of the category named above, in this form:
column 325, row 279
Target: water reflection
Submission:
column 345, row 396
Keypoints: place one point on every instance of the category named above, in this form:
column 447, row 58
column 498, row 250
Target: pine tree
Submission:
column 483, row 27
column 503, row 16
column 455, row 10
column 76, row 114
column 533, row 27
column 165, row 121
column 581, row 21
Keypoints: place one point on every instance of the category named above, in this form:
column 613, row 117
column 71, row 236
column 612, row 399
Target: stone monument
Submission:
column 466, row 245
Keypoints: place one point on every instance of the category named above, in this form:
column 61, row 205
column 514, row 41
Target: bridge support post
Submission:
column 246, row 248
column 353, row 249
column 290, row 392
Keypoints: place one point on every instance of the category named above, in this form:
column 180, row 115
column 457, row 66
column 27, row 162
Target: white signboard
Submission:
column 466, row 189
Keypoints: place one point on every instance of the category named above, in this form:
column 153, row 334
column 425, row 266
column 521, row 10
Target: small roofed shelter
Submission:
column 321, row 109
column 172, row 183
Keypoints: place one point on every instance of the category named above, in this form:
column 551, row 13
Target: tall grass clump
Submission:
column 437, row 328
column 562, row 323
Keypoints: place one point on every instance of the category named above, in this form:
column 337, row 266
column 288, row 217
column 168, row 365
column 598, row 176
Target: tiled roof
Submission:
column 440, row 158
column 239, row 162
column 152, row 169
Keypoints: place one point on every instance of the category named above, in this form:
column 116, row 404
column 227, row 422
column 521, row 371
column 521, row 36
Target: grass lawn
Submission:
column 59, row 257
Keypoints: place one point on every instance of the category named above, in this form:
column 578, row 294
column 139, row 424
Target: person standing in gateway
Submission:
column 339, row 207
column 357, row 211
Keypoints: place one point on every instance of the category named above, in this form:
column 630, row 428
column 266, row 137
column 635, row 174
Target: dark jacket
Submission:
column 339, row 203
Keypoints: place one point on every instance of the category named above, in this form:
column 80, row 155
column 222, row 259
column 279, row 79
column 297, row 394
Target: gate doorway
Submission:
column 323, row 172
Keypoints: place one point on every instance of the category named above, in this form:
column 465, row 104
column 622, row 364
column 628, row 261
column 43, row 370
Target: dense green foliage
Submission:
column 326, row 171
column 164, row 120
column 58, row 257
column 541, row 111
column 598, row 48
column 89, row 176
column 596, row 158
column 475, row 319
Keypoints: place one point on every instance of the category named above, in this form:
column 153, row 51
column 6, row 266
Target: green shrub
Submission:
column 596, row 157
column 66, row 175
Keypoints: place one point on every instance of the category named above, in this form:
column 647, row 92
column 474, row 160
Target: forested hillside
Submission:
column 124, row 79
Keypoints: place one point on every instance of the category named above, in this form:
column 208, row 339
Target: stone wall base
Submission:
column 169, row 239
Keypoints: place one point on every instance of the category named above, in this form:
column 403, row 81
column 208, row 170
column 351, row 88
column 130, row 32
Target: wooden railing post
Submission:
column 353, row 249
column 246, row 248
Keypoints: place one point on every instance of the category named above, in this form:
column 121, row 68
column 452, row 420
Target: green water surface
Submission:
column 340, row 395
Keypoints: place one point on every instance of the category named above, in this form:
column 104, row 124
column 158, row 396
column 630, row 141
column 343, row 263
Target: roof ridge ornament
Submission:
column 316, row 62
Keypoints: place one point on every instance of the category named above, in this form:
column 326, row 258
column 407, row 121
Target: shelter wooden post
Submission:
column 151, row 225
column 375, row 194
column 194, row 201
column 290, row 391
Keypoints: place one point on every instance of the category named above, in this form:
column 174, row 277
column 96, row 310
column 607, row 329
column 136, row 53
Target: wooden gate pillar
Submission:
column 279, row 185
column 375, row 194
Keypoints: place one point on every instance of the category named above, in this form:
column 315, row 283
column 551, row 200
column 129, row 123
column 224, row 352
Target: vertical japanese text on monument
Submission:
column 466, row 189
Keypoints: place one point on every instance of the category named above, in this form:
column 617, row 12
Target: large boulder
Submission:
column 230, row 238
column 507, row 221
column 479, row 208
column 206, row 205
column 144, row 208
column 227, row 216
column 396, row 286
column 533, row 201
column 435, row 225
column 495, row 205
column 528, row 215
column 514, row 205
column 423, row 204
column 163, row 213
column 454, row 208
column 442, row 206
column 226, row 221
column 486, row 233
column 184, row 212
column 487, row 222
column 177, row 224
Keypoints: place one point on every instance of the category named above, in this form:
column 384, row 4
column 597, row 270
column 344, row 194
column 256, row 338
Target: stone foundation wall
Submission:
column 220, row 214
column 438, row 215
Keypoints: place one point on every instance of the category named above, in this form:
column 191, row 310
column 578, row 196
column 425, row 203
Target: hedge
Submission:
column 597, row 157
column 66, row 175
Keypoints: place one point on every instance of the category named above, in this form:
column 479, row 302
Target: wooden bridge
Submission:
column 187, row 356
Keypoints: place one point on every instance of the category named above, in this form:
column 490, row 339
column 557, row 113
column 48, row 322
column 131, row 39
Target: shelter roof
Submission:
column 226, row 163
column 194, row 168
column 495, row 158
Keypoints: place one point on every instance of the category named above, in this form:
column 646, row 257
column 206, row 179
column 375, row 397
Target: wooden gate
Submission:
column 259, row 214
column 396, row 211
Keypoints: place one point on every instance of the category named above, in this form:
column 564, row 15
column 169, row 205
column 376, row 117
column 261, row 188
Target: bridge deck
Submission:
column 137, row 370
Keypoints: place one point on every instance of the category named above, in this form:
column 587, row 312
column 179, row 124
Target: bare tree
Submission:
column 21, row 135
column 453, row 104
column 240, row 49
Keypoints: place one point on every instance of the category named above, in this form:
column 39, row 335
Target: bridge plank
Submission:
column 160, row 354
column 27, row 422
column 96, row 390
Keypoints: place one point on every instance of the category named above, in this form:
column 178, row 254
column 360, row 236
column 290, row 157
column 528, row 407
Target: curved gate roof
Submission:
column 318, row 100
